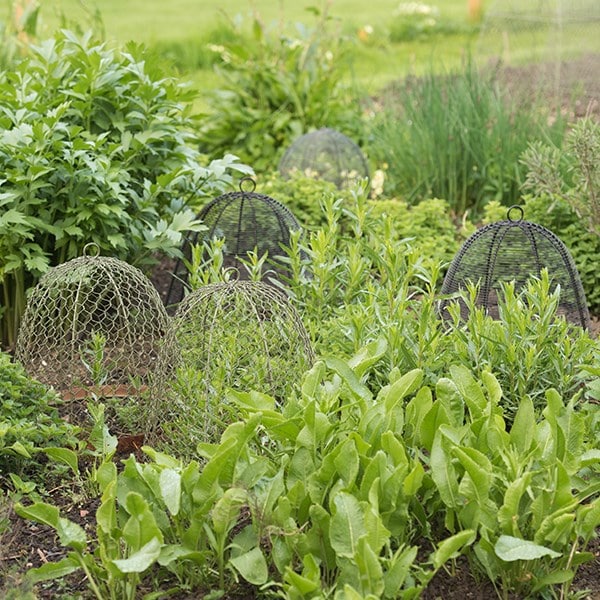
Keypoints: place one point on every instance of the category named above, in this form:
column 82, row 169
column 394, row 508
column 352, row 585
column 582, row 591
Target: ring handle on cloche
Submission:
column 517, row 208
column 251, row 187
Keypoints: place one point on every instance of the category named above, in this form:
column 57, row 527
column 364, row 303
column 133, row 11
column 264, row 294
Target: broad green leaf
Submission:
column 367, row 356
column 40, row 512
column 225, row 512
column 71, row 534
column 448, row 394
column 415, row 412
column 470, row 390
column 452, row 546
column 510, row 548
column 509, row 513
column 54, row 570
column 170, row 489
column 396, row 574
column 348, row 376
column 19, row 449
column 66, row 456
column 252, row 566
column 141, row 560
column 347, row 463
column 313, row 379
column 479, row 468
column 588, row 519
column 523, row 428
column 433, row 420
column 406, row 385
column 371, row 572
column 347, row 525
column 412, row 482
column 141, row 527
column 552, row 579
column 590, row 457
column 443, row 471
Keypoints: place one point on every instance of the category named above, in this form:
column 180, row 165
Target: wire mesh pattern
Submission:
column 247, row 222
column 325, row 154
column 92, row 321
column 515, row 250
column 240, row 335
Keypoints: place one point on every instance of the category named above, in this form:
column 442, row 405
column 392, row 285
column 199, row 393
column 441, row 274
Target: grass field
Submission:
column 377, row 60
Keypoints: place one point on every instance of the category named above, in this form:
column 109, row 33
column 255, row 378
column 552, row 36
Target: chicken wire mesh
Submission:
column 557, row 40
column 92, row 321
column 515, row 250
column 246, row 222
column 240, row 335
column 325, row 154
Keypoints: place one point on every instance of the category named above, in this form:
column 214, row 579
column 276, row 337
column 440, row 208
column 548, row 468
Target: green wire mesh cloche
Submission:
column 240, row 335
column 91, row 321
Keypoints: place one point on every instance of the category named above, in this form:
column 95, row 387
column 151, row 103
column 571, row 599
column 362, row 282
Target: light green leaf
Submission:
column 170, row 489
column 522, row 431
column 141, row 560
column 510, row 548
column 252, row 566
column 66, row 456
column 226, row 510
column 452, row 546
column 54, row 570
column 347, row 525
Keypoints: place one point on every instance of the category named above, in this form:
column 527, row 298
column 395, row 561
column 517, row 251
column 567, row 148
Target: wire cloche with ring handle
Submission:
column 325, row 154
column 515, row 250
column 92, row 321
column 245, row 221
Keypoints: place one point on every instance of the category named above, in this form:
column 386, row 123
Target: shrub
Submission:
column 418, row 21
column 29, row 418
column 276, row 88
column 96, row 145
column 456, row 137
column 570, row 173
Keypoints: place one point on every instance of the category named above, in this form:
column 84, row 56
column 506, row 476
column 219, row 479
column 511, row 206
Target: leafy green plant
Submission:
column 29, row 419
column 277, row 87
column 458, row 137
column 96, row 146
column 529, row 348
column 563, row 193
column 419, row 21
column 570, row 173
column 522, row 491
column 317, row 497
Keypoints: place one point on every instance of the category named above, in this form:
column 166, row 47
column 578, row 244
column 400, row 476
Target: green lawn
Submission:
column 376, row 60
